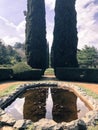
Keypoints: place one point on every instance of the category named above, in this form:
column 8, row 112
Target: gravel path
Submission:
column 93, row 87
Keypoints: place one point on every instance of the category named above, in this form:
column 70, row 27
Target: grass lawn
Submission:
column 49, row 71
column 87, row 90
column 93, row 127
column 8, row 90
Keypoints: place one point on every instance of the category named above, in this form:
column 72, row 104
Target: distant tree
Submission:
column 4, row 59
column 13, row 54
column 8, row 55
column 20, row 49
column 36, row 44
column 17, row 58
column 88, row 57
column 19, row 45
column 10, row 50
column 64, row 48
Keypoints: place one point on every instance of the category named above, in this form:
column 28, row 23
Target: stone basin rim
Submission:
column 92, row 104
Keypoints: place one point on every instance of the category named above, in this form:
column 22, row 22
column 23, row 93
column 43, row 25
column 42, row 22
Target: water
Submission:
column 51, row 103
column 16, row 108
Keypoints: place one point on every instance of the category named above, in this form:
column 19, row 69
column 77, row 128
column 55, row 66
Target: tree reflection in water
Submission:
column 51, row 103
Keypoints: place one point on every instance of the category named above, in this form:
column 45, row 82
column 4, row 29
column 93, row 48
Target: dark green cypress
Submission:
column 36, row 44
column 64, row 48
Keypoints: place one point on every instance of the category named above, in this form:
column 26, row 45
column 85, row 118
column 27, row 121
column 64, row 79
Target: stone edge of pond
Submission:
column 91, row 118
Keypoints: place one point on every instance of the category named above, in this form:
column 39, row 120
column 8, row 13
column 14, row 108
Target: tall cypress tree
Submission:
column 36, row 44
column 64, row 48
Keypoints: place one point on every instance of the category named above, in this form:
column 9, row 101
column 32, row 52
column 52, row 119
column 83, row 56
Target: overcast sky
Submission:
column 12, row 21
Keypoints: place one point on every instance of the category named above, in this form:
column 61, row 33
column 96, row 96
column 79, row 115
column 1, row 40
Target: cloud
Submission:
column 50, row 4
column 11, row 40
column 10, row 32
column 87, row 23
column 21, row 29
column 13, row 10
column 50, row 33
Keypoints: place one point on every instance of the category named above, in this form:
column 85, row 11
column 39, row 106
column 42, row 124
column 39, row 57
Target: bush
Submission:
column 5, row 74
column 77, row 74
column 49, row 71
column 22, row 71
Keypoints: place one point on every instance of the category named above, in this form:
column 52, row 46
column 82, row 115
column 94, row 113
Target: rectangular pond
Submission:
column 48, row 102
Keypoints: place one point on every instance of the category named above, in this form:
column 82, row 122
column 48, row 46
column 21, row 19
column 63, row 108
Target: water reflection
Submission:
column 49, row 105
column 34, row 106
column 16, row 108
column 57, row 104
column 82, row 109
column 64, row 108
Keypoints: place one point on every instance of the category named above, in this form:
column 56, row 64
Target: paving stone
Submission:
column 7, row 120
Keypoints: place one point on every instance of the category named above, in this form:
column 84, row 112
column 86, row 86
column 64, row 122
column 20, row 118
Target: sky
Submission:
column 12, row 21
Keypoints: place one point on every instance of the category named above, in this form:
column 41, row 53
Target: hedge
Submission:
column 77, row 74
column 5, row 74
column 22, row 71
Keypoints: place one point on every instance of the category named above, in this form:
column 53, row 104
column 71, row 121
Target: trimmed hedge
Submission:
column 22, row 71
column 77, row 74
column 5, row 74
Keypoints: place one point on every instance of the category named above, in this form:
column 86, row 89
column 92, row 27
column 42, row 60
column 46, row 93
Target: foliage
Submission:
column 8, row 55
column 5, row 74
column 30, row 127
column 4, row 59
column 49, row 71
column 20, row 49
column 76, row 74
column 93, row 127
column 22, row 71
column 36, row 44
column 19, row 45
column 64, row 48
column 88, row 57
column 21, row 67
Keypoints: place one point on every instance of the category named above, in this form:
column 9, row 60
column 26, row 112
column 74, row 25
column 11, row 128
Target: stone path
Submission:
column 93, row 87
column 5, row 85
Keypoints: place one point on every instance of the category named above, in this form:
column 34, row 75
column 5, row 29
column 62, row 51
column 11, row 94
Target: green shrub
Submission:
column 5, row 74
column 77, row 74
column 22, row 71
column 49, row 71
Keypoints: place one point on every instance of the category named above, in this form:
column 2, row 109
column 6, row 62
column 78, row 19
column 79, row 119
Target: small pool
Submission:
column 48, row 102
